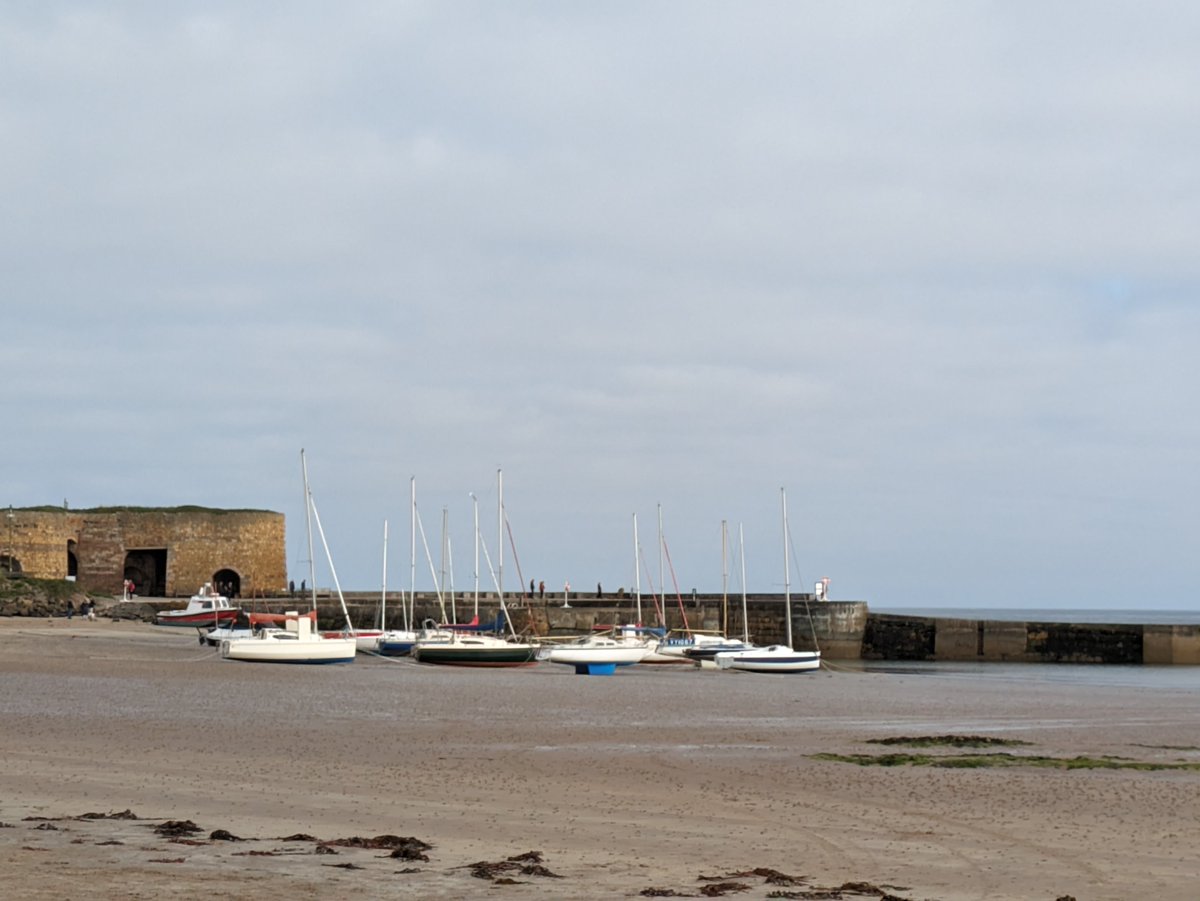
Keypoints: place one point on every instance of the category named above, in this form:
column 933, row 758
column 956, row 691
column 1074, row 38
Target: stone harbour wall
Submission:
column 897, row 637
column 835, row 627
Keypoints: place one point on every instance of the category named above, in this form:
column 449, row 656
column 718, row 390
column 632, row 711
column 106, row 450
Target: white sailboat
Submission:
column 775, row 658
column 298, row 641
column 598, row 655
column 399, row 642
column 474, row 648
column 705, row 650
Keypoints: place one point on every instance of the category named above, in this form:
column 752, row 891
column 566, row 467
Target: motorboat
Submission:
column 205, row 608
column 296, row 642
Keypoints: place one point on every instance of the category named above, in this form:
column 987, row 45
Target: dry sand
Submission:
column 649, row 779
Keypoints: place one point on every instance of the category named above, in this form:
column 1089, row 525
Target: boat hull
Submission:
column 214, row 637
column 774, row 659
column 268, row 650
column 597, row 657
column 450, row 654
column 203, row 620
column 394, row 647
column 364, row 639
column 708, row 653
column 595, row 669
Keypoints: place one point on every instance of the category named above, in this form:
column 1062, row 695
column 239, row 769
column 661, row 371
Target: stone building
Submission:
column 166, row 552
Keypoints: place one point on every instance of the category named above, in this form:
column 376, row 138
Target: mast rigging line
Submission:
column 812, row 628
column 659, row 609
column 512, row 543
column 675, row 583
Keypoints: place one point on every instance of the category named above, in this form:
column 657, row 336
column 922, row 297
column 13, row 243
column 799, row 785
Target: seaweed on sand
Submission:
column 952, row 741
column 1002, row 759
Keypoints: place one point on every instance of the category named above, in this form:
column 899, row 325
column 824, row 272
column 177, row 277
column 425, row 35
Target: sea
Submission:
column 1050, row 615
column 1184, row 679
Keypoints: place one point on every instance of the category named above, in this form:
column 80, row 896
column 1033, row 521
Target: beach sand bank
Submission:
column 647, row 780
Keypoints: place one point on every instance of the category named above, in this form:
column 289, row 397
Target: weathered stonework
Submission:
column 896, row 637
column 167, row 551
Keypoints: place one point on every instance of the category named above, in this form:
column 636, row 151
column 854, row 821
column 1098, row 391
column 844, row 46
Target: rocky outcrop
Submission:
column 35, row 597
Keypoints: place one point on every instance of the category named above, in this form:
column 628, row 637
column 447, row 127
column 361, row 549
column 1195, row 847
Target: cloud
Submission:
column 929, row 267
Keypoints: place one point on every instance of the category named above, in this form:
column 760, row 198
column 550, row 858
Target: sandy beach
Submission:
column 650, row 783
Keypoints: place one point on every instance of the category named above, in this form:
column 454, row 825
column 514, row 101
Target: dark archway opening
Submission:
column 147, row 569
column 72, row 561
column 10, row 564
column 228, row 583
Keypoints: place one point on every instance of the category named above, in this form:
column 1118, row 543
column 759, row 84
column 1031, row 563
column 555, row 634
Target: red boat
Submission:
column 205, row 608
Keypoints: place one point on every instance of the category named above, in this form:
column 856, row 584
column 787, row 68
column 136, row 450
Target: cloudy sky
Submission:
column 931, row 267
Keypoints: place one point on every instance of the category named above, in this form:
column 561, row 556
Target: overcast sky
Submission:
column 930, row 266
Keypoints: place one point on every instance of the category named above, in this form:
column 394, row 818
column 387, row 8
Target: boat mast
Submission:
column 500, row 536
column 742, row 554
column 450, row 564
column 332, row 569
column 500, row 552
column 383, row 590
column 312, row 567
column 787, row 576
column 475, row 505
column 410, row 615
column 662, row 585
column 442, row 575
column 724, row 578
column 637, row 571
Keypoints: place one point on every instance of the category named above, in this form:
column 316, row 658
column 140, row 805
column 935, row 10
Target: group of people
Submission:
column 87, row 609
column 540, row 593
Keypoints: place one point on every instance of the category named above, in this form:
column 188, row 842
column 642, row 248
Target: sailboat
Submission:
column 399, row 642
column 674, row 646
column 775, row 658
column 598, row 655
column 298, row 641
column 624, row 645
column 295, row 642
column 475, row 648
column 705, row 650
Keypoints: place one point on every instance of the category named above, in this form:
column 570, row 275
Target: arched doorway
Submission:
column 72, row 561
column 9, row 564
column 147, row 569
column 228, row 583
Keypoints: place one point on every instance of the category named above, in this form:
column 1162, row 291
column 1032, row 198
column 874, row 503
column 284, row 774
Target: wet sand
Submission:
column 647, row 780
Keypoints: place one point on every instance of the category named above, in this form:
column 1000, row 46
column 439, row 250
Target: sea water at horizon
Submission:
column 1048, row 615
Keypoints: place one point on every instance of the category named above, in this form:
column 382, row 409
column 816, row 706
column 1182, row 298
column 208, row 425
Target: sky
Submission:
column 930, row 268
